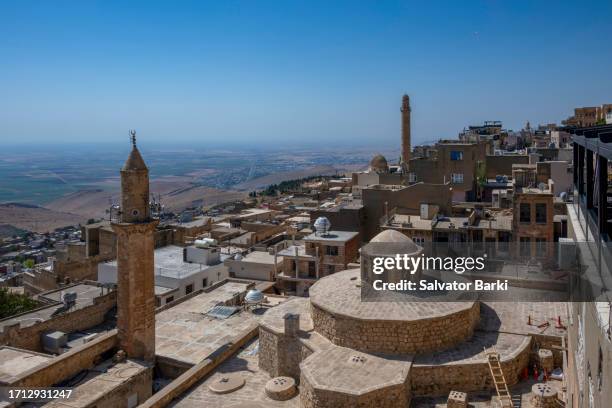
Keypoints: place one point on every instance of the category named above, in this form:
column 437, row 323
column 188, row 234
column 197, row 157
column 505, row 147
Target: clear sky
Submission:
column 294, row 72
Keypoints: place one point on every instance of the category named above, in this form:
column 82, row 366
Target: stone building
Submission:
column 406, row 143
column 135, row 262
column 533, row 221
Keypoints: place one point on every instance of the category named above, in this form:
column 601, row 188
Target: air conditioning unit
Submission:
column 567, row 253
column 54, row 342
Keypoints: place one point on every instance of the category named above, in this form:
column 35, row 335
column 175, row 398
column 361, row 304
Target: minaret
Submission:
column 405, row 109
column 135, row 245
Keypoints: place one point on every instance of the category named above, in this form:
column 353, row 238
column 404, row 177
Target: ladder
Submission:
column 499, row 380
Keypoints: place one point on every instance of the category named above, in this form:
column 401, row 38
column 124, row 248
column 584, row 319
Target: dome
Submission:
column 254, row 296
column 391, row 235
column 322, row 225
column 379, row 164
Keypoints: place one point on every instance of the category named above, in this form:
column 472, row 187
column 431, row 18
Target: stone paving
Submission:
column 340, row 294
column 473, row 350
column 185, row 333
column 246, row 363
column 341, row 369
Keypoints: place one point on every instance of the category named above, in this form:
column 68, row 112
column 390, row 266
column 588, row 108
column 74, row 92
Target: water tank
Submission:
column 205, row 242
column 254, row 296
column 322, row 225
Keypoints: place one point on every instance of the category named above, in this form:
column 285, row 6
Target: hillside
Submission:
column 176, row 196
column 265, row 181
column 32, row 218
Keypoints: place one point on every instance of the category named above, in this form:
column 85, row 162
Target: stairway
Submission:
column 499, row 380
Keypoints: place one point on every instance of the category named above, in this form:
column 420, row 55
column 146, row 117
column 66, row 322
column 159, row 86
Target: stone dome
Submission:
column 379, row 164
column 391, row 235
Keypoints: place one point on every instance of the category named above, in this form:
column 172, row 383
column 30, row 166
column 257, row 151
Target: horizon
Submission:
column 276, row 74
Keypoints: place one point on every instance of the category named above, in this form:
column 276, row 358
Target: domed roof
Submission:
column 134, row 161
column 391, row 235
column 379, row 164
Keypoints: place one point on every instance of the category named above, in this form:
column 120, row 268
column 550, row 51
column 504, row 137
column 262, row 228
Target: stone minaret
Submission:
column 135, row 243
column 405, row 109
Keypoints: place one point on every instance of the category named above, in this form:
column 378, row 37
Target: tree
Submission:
column 14, row 303
column 29, row 263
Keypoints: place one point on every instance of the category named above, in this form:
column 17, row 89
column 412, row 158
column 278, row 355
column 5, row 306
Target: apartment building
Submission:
column 319, row 254
column 589, row 340
column 456, row 162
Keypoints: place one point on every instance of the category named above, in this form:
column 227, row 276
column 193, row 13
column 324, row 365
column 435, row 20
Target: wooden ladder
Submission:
column 499, row 380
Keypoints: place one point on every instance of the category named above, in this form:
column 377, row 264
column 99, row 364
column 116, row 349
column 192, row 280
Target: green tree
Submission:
column 14, row 303
column 29, row 263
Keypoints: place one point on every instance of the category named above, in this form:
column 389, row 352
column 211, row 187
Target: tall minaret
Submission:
column 405, row 109
column 135, row 245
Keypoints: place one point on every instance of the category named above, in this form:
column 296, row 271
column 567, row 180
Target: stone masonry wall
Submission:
column 423, row 335
column 29, row 337
column 69, row 363
column 397, row 396
column 439, row 380
column 280, row 355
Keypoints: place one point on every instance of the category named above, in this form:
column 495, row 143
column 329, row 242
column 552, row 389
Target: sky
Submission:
column 293, row 73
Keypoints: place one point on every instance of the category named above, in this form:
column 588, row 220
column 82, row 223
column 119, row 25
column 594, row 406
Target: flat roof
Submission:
column 185, row 333
column 261, row 257
column 85, row 295
column 334, row 236
column 14, row 362
column 101, row 380
column 169, row 262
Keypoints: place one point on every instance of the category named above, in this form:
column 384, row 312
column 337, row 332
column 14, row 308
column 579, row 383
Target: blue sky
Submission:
column 294, row 73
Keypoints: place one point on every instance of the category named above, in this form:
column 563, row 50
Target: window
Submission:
column 189, row 288
column 331, row 269
column 331, row 250
column 169, row 299
column 525, row 246
column 540, row 247
column 412, row 178
column 525, row 213
column 418, row 240
column 457, row 178
column 204, row 282
column 311, row 270
column 456, row 155
column 540, row 210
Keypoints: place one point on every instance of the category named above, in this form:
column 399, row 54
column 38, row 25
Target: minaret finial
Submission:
column 133, row 137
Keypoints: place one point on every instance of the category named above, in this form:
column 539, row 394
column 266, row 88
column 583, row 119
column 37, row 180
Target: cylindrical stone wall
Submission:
column 397, row 336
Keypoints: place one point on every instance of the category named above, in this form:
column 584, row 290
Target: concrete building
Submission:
column 589, row 342
column 456, row 162
column 255, row 265
column 379, row 200
column 321, row 254
column 178, row 271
